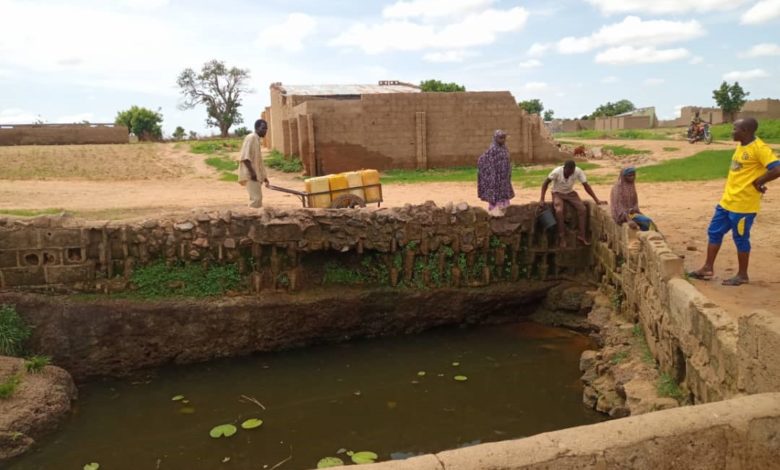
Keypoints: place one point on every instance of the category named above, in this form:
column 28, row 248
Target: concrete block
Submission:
column 8, row 259
column 758, row 350
column 61, row 237
column 69, row 274
column 31, row 276
column 671, row 266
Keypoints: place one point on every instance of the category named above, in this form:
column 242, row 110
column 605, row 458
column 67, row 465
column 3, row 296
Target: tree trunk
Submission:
column 223, row 130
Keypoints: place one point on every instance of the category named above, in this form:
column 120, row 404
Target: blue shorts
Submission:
column 739, row 223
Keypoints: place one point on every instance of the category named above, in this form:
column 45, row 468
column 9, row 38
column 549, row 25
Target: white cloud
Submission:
column 659, row 7
column 538, row 49
column 762, row 12
column 289, row 34
column 530, row 64
column 745, row 74
column 764, row 49
column 477, row 29
column 639, row 55
column 144, row 4
column 696, row 60
column 610, row 79
column 535, row 86
column 447, row 56
column 18, row 116
column 654, row 81
column 633, row 31
column 75, row 118
column 433, row 8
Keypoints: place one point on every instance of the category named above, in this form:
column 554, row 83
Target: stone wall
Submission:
column 694, row 340
column 425, row 245
column 734, row 434
column 61, row 134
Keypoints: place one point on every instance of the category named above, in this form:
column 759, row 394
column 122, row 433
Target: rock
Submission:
column 184, row 227
column 588, row 360
column 149, row 224
column 462, row 206
column 229, row 243
column 201, row 242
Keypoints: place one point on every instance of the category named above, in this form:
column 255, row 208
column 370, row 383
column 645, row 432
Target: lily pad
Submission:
column 421, row 373
column 364, row 457
column 328, row 462
column 185, row 402
column 455, row 364
column 177, row 398
column 223, row 430
column 461, row 378
column 341, row 451
column 92, row 466
column 187, row 410
column 252, row 423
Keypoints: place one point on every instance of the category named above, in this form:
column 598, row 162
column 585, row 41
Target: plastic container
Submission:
column 338, row 184
column 371, row 177
column 355, row 180
column 546, row 219
column 317, row 185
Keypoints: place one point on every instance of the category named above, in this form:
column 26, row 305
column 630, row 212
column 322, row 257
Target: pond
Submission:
column 396, row 397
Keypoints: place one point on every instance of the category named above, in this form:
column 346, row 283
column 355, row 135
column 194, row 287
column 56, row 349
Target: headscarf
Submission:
column 623, row 198
column 494, row 178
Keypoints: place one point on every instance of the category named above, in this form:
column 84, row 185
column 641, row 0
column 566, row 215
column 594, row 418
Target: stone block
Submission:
column 30, row 276
column 69, row 274
column 26, row 238
column 671, row 266
column 758, row 350
column 8, row 259
column 61, row 237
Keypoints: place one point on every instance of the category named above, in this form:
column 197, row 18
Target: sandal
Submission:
column 735, row 281
column 700, row 276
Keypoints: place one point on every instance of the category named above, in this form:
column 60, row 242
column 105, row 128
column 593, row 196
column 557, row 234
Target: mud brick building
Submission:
column 335, row 128
column 62, row 134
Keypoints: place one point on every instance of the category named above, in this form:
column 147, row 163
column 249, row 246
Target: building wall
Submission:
column 624, row 122
column 420, row 130
column 61, row 134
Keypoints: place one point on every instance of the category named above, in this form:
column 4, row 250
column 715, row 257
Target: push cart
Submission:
column 339, row 198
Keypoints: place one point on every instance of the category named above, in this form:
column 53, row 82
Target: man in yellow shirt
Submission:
column 752, row 167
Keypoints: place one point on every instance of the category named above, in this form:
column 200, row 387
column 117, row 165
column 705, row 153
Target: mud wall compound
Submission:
column 693, row 339
column 62, row 134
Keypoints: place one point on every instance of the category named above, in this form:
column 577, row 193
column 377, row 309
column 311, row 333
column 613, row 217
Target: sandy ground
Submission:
column 681, row 210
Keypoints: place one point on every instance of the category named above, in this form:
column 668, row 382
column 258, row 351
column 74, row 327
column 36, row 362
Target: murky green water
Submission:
column 367, row 395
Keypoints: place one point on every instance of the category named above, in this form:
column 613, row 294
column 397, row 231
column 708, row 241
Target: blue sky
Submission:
column 86, row 60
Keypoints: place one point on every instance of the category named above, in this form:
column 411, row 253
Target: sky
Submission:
column 70, row 61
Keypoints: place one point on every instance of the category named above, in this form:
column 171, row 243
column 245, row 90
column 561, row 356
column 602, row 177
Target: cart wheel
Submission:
column 347, row 201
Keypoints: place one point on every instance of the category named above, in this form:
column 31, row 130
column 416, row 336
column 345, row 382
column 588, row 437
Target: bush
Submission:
column 35, row 364
column 8, row 387
column 143, row 122
column 242, row 131
column 277, row 161
column 13, row 331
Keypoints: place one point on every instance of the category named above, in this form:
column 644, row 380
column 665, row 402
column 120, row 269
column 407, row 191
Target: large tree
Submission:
column 437, row 85
column 613, row 109
column 217, row 87
column 533, row 106
column 730, row 99
column 142, row 122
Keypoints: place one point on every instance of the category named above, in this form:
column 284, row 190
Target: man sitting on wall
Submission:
column 251, row 169
column 563, row 179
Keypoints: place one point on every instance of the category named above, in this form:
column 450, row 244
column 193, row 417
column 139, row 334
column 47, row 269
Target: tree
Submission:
column 142, row 122
column 439, row 86
column 241, row 131
column 179, row 133
column 217, row 87
column 548, row 115
column 193, row 135
column 730, row 98
column 613, row 109
column 533, row 106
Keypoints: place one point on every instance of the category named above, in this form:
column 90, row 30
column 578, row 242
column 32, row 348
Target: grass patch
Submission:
column 30, row 212
column 768, row 131
column 668, row 387
column 622, row 150
column 222, row 163
column 211, row 147
column 35, row 364
column 671, row 149
column 641, row 342
column 704, row 166
column 9, row 386
column 520, row 175
column 228, row 177
column 184, row 280
column 371, row 270
column 619, row 357
column 13, row 331
column 625, row 134
column 277, row 161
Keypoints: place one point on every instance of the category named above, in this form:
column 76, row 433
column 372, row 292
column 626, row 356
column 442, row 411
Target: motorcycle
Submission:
column 700, row 133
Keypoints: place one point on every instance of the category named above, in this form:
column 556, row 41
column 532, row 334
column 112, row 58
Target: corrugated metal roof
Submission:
column 335, row 90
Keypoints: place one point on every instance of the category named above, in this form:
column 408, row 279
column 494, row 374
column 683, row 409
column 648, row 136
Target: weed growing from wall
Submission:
column 186, row 280
column 35, row 364
column 9, row 386
column 668, row 387
column 13, row 331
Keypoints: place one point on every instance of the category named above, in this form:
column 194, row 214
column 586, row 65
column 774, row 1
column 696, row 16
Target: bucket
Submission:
column 546, row 219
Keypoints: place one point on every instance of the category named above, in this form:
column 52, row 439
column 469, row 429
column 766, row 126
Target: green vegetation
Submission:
column 179, row 133
column 622, row 150
column 533, row 106
column 520, row 175
column 439, row 86
column 668, row 387
column 730, row 98
column 619, row 357
column 31, row 212
column 371, row 270
column 704, row 166
column 613, row 109
column 641, row 342
column 278, row 161
column 624, row 134
column 143, row 122
column 211, row 147
column 184, row 280
column 35, row 364
column 671, row 149
column 13, row 331
column 222, row 164
column 9, row 386
column 768, row 131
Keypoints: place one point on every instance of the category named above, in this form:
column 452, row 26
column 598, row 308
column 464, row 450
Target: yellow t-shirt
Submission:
column 748, row 163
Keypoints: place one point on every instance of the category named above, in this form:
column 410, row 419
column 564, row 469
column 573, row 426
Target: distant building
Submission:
column 335, row 128
column 766, row 108
column 640, row 118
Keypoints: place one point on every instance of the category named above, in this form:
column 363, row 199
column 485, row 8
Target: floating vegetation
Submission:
column 223, row 430
column 177, row 398
column 328, row 462
column 363, row 457
column 421, row 373
column 92, row 466
column 461, row 378
column 252, row 423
